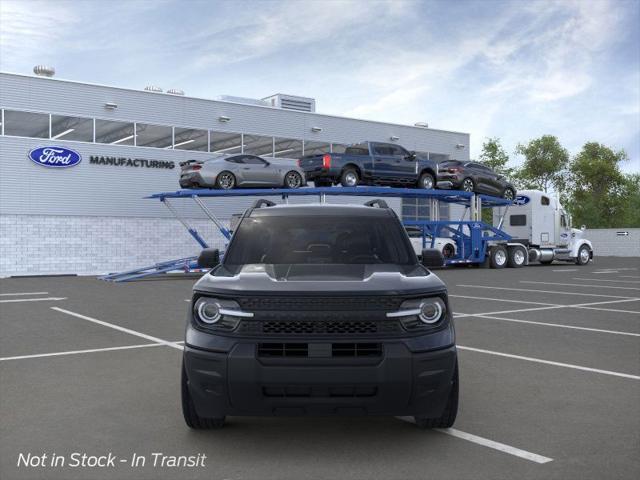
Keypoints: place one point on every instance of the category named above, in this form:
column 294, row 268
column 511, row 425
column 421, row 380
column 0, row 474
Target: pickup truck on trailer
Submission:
column 320, row 310
column 371, row 163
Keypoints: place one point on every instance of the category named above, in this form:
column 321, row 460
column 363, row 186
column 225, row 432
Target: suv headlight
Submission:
column 221, row 314
column 421, row 312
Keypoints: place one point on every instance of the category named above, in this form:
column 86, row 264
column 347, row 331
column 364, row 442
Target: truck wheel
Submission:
column 225, row 180
column 426, row 181
column 498, row 257
column 517, row 257
column 191, row 417
column 584, row 255
column 349, row 178
column 468, row 185
column 448, row 417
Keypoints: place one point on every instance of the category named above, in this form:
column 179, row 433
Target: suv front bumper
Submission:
column 398, row 382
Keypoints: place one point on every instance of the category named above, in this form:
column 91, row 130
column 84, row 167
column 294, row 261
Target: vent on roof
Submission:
column 291, row 102
column 44, row 71
column 153, row 88
column 175, row 91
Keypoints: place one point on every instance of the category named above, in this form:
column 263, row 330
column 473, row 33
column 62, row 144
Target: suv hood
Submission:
column 324, row 278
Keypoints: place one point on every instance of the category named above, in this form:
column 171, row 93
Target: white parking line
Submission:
column 559, row 325
column 44, row 299
column 533, row 457
column 503, row 300
column 485, row 442
column 580, row 285
column 606, row 280
column 76, row 352
column 549, row 362
column 588, row 306
column 546, row 291
column 122, row 329
column 22, row 293
column 629, row 276
column 566, row 270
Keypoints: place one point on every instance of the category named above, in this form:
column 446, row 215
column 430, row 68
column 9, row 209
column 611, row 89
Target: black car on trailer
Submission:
column 319, row 310
column 474, row 177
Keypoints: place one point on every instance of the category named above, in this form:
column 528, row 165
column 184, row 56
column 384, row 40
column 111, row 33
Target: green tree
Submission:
column 494, row 156
column 599, row 194
column 544, row 165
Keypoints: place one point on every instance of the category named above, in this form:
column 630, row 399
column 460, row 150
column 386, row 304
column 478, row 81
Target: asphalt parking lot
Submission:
column 549, row 368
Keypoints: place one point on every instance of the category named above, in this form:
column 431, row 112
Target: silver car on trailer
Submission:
column 231, row 171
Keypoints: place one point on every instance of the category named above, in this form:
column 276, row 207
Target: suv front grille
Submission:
column 320, row 327
column 320, row 304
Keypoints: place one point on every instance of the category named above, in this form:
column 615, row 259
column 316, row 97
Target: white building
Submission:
column 93, row 218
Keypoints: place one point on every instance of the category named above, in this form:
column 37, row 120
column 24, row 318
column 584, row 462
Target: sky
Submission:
column 515, row 70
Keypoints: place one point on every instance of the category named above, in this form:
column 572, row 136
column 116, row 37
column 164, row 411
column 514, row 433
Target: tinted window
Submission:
column 450, row 163
column 358, row 149
column 319, row 239
column 383, row 150
column 518, row 220
column 398, row 151
column 252, row 160
column 544, row 201
column 238, row 159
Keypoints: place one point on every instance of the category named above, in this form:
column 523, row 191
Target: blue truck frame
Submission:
column 472, row 236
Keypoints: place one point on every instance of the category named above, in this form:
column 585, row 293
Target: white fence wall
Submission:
column 614, row 242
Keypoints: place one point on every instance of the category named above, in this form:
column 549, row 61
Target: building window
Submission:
column 287, row 148
column 71, row 128
column 258, row 145
column 419, row 209
column 115, row 133
column 26, row 124
column 156, row 136
column 226, row 143
column 191, row 139
column 316, row 148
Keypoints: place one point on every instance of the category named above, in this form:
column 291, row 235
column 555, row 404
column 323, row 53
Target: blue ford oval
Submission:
column 55, row 157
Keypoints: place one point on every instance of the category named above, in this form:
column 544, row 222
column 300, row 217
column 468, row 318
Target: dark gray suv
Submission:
column 320, row 310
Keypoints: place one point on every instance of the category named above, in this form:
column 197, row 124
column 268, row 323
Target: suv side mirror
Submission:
column 432, row 257
column 411, row 156
column 209, row 258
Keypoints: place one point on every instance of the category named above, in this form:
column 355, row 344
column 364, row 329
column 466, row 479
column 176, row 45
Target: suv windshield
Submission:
column 320, row 239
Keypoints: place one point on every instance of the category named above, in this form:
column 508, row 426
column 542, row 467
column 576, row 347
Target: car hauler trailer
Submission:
column 476, row 242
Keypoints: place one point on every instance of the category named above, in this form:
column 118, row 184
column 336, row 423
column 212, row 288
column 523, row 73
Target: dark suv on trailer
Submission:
column 319, row 310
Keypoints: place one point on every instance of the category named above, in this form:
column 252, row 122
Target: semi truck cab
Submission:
column 540, row 223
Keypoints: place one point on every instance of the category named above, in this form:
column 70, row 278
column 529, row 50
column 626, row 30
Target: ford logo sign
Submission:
column 55, row 157
column 521, row 200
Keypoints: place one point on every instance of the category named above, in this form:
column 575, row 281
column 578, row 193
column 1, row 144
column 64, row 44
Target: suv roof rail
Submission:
column 263, row 202
column 376, row 202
